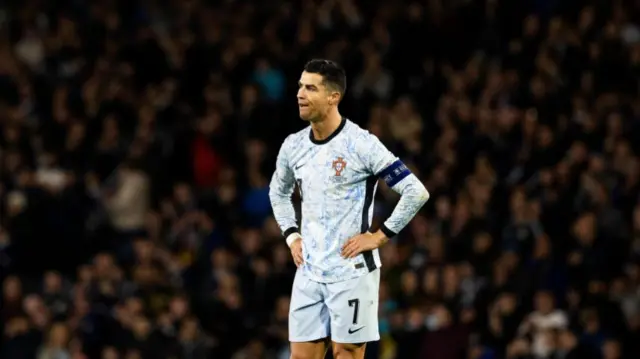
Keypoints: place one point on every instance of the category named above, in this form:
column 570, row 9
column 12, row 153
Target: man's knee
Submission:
column 348, row 351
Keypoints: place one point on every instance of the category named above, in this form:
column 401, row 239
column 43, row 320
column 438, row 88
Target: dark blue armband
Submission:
column 394, row 173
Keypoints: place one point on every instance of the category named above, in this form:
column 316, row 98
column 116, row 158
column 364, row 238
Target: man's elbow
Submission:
column 416, row 191
column 276, row 197
column 422, row 194
column 273, row 193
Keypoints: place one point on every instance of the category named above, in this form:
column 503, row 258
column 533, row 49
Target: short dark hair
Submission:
column 333, row 75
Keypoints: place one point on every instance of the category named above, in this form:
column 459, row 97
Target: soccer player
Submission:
column 336, row 166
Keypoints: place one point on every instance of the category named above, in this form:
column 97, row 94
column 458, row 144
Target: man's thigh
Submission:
column 353, row 306
column 309, row 350
column 351, row 351
column 308, row 315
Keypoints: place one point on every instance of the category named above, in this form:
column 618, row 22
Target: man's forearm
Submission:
column 413, row 195
column 284, row 214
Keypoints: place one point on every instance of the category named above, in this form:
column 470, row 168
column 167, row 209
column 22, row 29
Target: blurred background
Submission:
column 137, row 138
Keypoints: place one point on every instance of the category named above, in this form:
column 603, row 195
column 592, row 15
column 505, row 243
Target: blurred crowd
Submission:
column 137, row 138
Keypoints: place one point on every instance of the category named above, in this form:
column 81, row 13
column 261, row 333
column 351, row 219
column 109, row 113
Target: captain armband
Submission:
column 394, row 173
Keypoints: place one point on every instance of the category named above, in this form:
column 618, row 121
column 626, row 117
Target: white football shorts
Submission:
column 346, row 311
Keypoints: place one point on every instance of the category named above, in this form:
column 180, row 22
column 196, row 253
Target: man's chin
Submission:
column 305, row 117
column 310, row 116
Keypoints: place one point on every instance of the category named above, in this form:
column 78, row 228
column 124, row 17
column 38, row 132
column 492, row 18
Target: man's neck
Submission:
column 324, row 128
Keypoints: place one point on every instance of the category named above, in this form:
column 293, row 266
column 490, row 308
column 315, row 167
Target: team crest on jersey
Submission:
column 338, row 165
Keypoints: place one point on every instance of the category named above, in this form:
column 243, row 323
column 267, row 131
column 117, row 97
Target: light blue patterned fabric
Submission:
column 338, row 180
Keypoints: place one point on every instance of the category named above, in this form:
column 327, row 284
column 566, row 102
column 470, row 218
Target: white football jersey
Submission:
column 337, row 179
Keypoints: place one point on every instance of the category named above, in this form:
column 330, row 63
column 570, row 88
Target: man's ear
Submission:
column 334, row 98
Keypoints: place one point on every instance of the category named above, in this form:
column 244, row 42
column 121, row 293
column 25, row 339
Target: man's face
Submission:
column 314, row 98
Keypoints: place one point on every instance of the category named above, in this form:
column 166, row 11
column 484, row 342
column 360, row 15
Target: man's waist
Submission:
column 319, row 264
column 329, row 234
column 338, row 274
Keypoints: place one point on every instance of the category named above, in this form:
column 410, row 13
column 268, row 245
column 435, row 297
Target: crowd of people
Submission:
column 137, row 139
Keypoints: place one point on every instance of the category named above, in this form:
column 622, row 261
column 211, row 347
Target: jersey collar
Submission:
column 331, row 136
